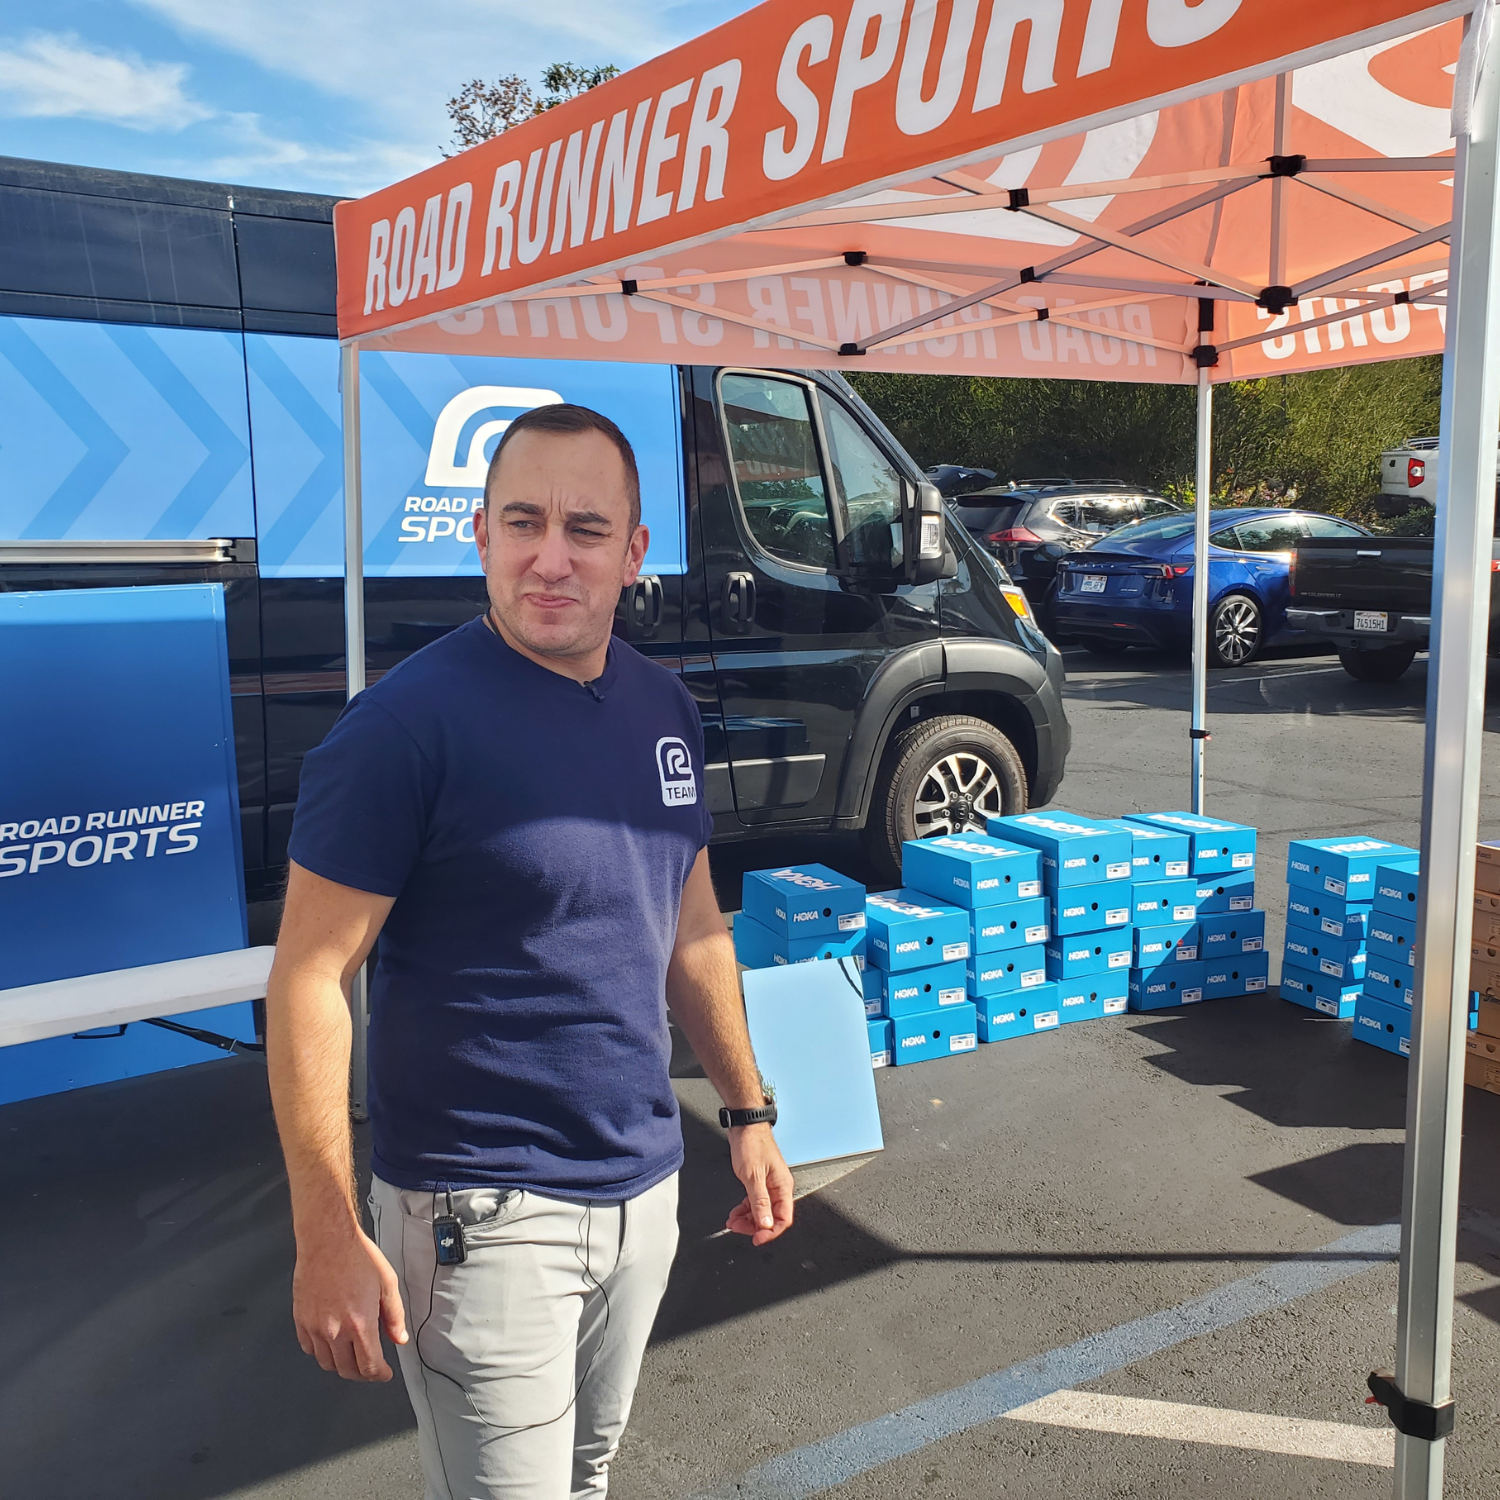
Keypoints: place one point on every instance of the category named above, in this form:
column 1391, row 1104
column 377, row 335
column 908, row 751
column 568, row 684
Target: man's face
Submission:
column 556, row 541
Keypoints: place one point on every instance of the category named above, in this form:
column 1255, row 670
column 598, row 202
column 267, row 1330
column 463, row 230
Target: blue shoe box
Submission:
column 934, row 1033
column 1393, row 937
column 1396, row 887
column 971, row 869
column 1297, row 986
column 880, row 1043
column 1341, row 866
column 757, row 947
column 1335, row 997
column 1093, row 997
column 1218, row 848
column 1383, row 1025
column 1331, row 915
column 1074, row 850
column 804, row 901
column 1231, row 934
column 1154, row 945
column 911, row 930
column 1168, row 984
column 1002, row 1017
column 1157, row 901
column 1232, row 892
column 1155, row 853
column 1010, row 969
column 1091, row 908
column 916, row 991
column 1237, row 974
column 1335, row 958
column 1017, row 925
column 1388, row 981
column 872, row 983
column 1090, row 953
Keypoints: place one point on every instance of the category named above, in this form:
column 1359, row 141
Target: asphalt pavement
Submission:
column 1162, row 1213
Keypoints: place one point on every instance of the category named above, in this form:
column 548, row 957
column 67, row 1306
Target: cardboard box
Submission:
column 1302, row 987
column 1158, row 901
column 1482, row 1073
column 1155, row 853
column 1486, row 919
column 880, row 1043
column 1093, row 997
column 1017, row 925
column 757, row 947
column 916, row 991
column 937, row 1033
column 1232, row 892
column 1011, row 969
column 1393, row 937
column 1488, row 1023
column 1231, row 934
column 1154, row 945
column 1388, row 981
column 1343, row 865
column 911, row 930
column 1074, row 850
column 1383, row 1025
column 804, row 901
column 1236, row 974
column 1218, row 847
column 1090, row 953
column 1484, row 970
column 1335, row 958
column 1478, row 1044
column 1396, row 887
column 971, row 869
column 1487, row 866
column 1166, row 985
column 1018, row 1014
column 1331, row 915
column 1090, row 908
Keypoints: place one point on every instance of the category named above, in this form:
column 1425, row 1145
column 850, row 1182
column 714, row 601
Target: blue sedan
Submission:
column 1134, row 586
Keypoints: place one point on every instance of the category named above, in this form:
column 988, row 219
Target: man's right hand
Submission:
column 344, row 1294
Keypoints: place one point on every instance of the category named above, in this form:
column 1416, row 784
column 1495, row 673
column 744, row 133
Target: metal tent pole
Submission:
column 1201, row 500
column 354, row 658
column 1450, row 789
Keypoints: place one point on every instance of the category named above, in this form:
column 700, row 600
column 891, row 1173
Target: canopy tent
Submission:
column 1072, row 188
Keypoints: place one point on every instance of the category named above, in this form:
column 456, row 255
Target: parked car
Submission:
column 849, row 674
column 1026, row 527
column 958, row 479
column 1135, row 586
column 1408, row 477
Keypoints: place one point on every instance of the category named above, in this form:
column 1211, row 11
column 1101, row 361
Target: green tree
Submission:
column 480, row 111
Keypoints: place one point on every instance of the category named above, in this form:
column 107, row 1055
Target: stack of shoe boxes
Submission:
column 916, row 955
column 1382, row 1009
column 999, row 886
column 1207, row 940
column 1086, row 870
column 1331, row 888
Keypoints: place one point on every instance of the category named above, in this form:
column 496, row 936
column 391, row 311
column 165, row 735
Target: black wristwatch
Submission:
column 765, row 1115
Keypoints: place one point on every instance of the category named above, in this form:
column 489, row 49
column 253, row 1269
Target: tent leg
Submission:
column 1202, row 495
column 1450, row 790
column 354, row 657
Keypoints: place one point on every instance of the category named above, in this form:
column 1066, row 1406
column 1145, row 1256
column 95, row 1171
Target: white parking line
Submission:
column 1129, row 1415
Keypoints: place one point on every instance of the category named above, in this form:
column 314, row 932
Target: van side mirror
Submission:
column 928, row 557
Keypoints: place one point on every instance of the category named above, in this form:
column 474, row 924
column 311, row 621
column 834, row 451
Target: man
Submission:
column 516, row 813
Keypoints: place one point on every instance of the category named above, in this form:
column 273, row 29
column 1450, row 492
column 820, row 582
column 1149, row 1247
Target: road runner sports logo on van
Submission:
column 445, row 464
column 674, row 763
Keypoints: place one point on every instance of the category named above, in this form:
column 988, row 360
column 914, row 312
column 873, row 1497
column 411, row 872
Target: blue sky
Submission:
column 333, row 96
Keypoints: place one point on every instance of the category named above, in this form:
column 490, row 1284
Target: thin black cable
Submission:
column 858, row 989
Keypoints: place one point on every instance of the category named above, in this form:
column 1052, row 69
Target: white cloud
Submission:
column 250, row 153
column 58, row 76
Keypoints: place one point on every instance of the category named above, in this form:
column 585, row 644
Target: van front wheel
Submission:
column 945, row 775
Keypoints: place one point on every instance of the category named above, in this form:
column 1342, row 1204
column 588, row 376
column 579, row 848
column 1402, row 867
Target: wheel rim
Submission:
column 957, row 794
column 1236, row 630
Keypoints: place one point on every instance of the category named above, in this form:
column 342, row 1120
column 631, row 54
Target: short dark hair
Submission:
column 562, row 419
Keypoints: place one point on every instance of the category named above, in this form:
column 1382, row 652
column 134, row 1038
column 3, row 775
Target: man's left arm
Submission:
column 703, row 994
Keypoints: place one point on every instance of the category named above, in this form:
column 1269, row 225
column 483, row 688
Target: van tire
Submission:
column 1383, row 665
column 953, row 753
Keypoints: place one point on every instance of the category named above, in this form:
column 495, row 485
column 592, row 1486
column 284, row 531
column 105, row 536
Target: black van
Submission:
column 859, row 661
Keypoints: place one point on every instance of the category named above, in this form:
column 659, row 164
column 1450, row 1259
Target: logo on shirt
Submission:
column 674, row 763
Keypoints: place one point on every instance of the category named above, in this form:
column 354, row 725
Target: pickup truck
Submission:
column 1408, row 477
column 1371, row 599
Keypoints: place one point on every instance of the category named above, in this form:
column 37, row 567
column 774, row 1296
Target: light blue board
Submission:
column 807, row 1024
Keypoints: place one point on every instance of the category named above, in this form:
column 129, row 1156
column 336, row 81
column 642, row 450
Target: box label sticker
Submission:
column 880, row 1059
column 1329, row 967
column 1332, row 885
column 1252, row 986
column 952, row 951
column 851, row 921
column 1033, row 977
column 1191, row 997
column 1242, row 903
column 1120, row 960
column 872, row 1007
column 1115, row 1007
column 1117, row 872
column 1176, row 868
column 965, row 1043
column 1404, row 1043
column 1326, row 1006
column 1251, row 945
column 1243, row 862
column 1186, row 953
column 1117, row 917
column 1184, row 913
column 1332, row 928
column 1029, row 888
column 1044, row 1020
column 952, row 997
column 1037, row 934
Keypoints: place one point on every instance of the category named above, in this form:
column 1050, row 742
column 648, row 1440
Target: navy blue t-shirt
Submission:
column 536, row 834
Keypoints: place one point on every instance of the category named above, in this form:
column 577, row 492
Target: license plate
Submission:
column 1093, row 583
column 1371, row 619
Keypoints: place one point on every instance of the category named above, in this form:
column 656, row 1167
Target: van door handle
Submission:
column 739, row 601
column 643, row 606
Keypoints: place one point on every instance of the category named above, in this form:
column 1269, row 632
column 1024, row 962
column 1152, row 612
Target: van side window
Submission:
column 867, row 487
column 774, row 449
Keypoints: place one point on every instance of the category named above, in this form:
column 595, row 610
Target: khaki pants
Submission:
column 521, row 1363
